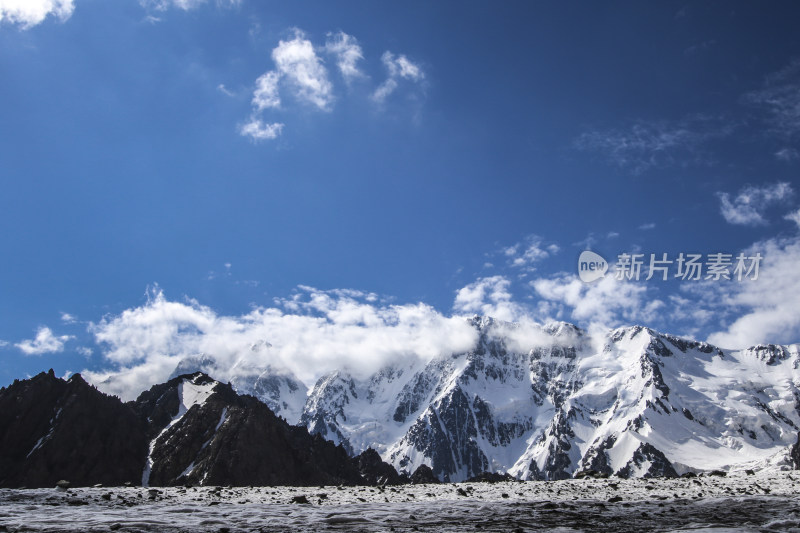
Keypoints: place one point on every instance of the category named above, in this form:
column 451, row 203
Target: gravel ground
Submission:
column 762, row 502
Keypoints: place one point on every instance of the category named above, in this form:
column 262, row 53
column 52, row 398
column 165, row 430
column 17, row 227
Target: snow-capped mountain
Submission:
column 632, row 402
column 283, row 393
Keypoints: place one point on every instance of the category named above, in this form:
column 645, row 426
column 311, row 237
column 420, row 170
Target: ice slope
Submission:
column 632, row 402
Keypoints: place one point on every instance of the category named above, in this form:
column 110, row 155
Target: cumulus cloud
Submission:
column 29, row 13
column 297, row 61
column 300, row 74
column 489, row 296
column 44, row 342
column 766, row 309
column 747, row 208
column 398, row 68
column 309, row 334
column 348, row 53
column 258, row 130
column 604, row 303
column 266, row 94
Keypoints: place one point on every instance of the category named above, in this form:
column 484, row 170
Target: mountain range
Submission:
column 548, row 402
column 536, row 402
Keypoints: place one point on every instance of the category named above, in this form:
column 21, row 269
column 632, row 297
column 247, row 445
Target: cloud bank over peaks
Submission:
column 309, row 334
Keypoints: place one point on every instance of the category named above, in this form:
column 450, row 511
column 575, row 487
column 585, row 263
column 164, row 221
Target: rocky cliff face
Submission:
column 52, row 429
column 190, row 430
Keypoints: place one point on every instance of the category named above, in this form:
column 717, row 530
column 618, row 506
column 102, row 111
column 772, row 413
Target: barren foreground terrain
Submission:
column 738, row 502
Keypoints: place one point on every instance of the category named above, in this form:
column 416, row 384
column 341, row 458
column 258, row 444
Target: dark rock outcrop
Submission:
column 53, row 429
column 423, row 474
column 795, row 453
column 374, row 471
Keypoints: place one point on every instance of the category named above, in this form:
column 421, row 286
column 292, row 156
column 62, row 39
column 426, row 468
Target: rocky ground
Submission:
column 761, row 502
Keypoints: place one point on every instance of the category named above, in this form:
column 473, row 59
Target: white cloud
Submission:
column 186, row 5
column 607, row 302
column 488, row 296
column 258, row 130
column 648, row 226
column 747, row 208
column 84, row 351
column 266, row 94
column 763, row 310
column 224, row 90
column 794, row 217
column 348, row 53
column 297, row 61
column 44, row 342
column 526, row 255
column 68, row 318
column 398, row 68
column 312, row 333
column 29, row 13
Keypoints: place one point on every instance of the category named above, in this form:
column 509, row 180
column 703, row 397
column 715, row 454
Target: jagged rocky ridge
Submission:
column 190, row 430
column 631, row 403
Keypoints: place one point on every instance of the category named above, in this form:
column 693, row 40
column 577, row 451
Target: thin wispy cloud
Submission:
column 185, row 5
column 780, row 99
column 29, row 13
column 526, row 255
column 44, row 342
column 347, row 52
column 794, row 217
column 787, row 154
column 398, row 68
column 747, row 208
column 647, row 145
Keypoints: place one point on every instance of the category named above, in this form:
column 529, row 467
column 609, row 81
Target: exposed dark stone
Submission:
column 376, row 472
column 53, row 429
column 659, row 464
column 795, row 453
column 423, row 474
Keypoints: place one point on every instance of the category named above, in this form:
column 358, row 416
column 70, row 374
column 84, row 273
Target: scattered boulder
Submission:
column 423, row 474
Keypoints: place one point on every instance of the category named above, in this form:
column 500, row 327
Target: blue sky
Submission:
column 240, row 157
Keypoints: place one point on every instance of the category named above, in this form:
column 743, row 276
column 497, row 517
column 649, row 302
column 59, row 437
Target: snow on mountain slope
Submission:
column 280, row 390
column 191, row 392
column 633, row 402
